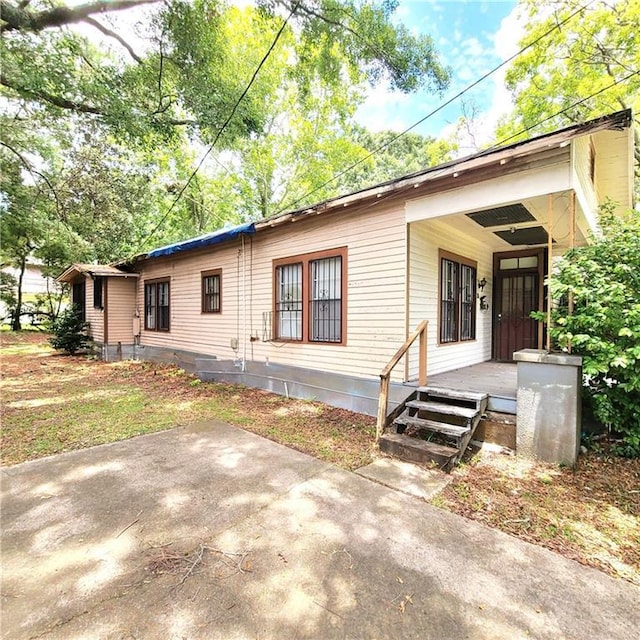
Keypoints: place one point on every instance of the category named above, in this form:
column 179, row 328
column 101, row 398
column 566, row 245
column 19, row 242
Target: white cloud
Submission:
column 380, row 109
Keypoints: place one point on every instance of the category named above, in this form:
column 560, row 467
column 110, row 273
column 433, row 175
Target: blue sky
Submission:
column 472, row 37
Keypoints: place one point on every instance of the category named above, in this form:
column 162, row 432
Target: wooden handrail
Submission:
column 385, row 374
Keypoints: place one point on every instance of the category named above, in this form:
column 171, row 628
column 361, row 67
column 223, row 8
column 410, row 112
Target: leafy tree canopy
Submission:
column 97, row 146
column 595, row 49
column 194, row 69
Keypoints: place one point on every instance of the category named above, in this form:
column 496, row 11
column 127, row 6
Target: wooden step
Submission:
column 432, row 425
column 443, row 409
column 416, row 450
column 454, row 394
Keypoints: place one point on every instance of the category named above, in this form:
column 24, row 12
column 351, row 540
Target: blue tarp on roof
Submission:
column 207, row 239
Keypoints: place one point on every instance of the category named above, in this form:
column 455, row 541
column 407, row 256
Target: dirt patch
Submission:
column 590, row 514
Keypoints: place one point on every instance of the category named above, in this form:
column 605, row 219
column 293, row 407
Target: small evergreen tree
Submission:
column 604, row 328
column 70, row 332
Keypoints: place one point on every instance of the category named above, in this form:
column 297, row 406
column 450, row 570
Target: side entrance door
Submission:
column 518, row 291
column 78, row 297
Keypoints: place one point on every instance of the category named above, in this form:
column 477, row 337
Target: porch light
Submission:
column 482, row 284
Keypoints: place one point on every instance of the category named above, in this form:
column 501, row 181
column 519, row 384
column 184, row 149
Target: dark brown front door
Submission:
column 517, row 294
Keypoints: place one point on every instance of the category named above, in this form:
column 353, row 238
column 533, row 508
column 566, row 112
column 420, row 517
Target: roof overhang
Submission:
column 457, row 173
column 480, row 162
column 93, row 270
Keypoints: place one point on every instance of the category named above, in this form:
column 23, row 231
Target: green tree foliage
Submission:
column 69, row 332
column 595, row 49
column 396, row 156
column 106, row 195
column 82, row 117
column 26, row 211
column 196, row 67
column 604, row 280
column 8, row 295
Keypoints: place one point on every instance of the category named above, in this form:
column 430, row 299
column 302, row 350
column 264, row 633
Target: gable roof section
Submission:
column 93, row 270
column 494, row 156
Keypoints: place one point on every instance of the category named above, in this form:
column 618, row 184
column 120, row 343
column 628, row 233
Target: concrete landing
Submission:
column 406, row 477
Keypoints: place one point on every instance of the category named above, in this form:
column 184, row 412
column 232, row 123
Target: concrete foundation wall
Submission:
column 346, row 392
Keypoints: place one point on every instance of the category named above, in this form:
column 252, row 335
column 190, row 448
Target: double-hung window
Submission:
column 156, row 305
column 457, row 293
column 212, row 291
column 309, row 297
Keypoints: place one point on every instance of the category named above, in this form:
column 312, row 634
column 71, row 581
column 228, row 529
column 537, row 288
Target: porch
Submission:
column 498, row 380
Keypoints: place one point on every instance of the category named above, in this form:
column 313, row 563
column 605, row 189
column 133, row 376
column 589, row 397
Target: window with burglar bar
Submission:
column 457, row 320
column 156, row 305
column 289, row 302
column 212, row 291
column 309, row 302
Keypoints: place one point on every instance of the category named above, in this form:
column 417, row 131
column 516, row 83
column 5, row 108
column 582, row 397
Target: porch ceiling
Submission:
column 497, row 216
column 512, row 231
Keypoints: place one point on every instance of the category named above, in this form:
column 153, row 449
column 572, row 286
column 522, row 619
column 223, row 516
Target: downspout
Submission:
column 549, row 271
column 244, row 306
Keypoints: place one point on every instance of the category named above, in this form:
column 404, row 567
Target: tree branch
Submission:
column 115, row 36
column 19, row 18
column 57, row 101
column 32, row 171
column 80, row 107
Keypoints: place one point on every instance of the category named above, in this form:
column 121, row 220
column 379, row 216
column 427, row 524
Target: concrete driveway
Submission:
column 212, row 532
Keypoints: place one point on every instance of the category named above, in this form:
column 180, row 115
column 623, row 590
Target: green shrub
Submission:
column 604, row 328
column 70, row 332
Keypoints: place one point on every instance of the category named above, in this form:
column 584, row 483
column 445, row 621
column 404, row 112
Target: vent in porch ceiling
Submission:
column 529, row 236
column 510, row 214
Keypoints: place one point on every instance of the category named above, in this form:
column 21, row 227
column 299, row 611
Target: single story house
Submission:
column 315, row 302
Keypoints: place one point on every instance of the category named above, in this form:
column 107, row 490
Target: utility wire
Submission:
column 559, row 113
column 500, row 143
column 377, row 150
column 222, row 128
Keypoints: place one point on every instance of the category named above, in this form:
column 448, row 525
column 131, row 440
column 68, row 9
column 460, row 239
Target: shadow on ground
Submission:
column 212, row 532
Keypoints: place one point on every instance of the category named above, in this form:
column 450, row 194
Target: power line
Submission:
column 222, row 128
column 558, row 25
column 436, row 173
column 564, row 110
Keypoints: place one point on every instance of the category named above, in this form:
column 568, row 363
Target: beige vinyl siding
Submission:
column 121, row 306
column 582, row 162
column 376, row 277
column 95, row 317
column 425, row 240
column 582, row 183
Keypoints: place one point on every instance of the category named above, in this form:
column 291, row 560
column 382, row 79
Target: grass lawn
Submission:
column 53, row 403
